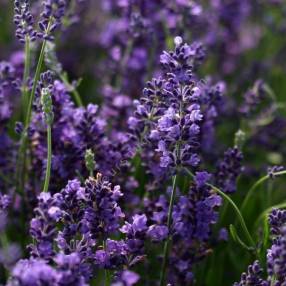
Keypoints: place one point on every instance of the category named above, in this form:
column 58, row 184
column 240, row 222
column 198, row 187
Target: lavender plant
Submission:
column 141, row 143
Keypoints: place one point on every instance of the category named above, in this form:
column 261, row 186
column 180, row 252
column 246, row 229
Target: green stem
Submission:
column 36, row 79
column 237, row 239
column 26, row 71
column 256, row 185
column 240, row 217
column 21, row 164
column 269, row 192
column 106, row 278
column 27, row 60
column 167, row 243
column 4, row 240
column 22, row 158
column 49, row 159
column 74, row 92
column 5, row 245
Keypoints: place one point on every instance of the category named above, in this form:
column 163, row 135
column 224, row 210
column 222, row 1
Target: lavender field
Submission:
column 142, row 142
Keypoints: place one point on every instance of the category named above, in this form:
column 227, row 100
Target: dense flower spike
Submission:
column 43, row 226
column 127, row 278
column 38, row 272
column 276, row 255
column 33, row 272
column 229, row 169
column 69, row 225
column 102, row 214
column 172, row 109
column 24, row 21
column 194, row 214
column 277, row 218
column 253, row 276
column 193, row 217
column 51, row 17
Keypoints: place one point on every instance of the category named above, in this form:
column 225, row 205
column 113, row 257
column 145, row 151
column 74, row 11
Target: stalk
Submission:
column 49, row 158
column 24, row 138
column 239, row 215
column 26, row 70
column 167, row 243
column 36, row 79
column 21, row 158
column 256, row 185
column 5, row 245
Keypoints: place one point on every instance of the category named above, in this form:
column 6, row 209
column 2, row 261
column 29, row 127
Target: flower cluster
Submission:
column 67, row 229
column 193, row 217
column 24, row 21
column 276, row 270
column 51, row 17
column 170, row 115
column 253, row 276
column 229, row 169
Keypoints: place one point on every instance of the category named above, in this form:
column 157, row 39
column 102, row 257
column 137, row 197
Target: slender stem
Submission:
column 5, row 245
column 236, row 237
column 251, row 191
column 74, row 92
column 22, row 158
column 256, row 185
column 167, row 242
column 21, row 162
column 240, row 217
column 236, row 209
column 27, row 60
column 49, row 158
column 4, row 239
column 107, row 278
column 26, row 70
column 36, row 79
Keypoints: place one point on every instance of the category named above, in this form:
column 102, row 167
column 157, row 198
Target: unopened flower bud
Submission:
column 47, row 105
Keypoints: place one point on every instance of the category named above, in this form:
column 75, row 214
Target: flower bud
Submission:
column 47, row 105
column 89, row 160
